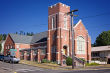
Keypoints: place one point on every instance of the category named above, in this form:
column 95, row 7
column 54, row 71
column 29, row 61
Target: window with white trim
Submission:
column 80, row 45
column 53, row 22
column 17, row 46
column 35, row 52
column 11, row 46
column 43, row 51
column 65, row 36
column 65, row 22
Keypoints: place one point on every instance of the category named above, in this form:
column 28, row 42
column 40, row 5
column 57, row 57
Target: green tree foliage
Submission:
column 25, row 33
column 103, row 39
column 0, row 47
column 0, row 37
column 3, row 36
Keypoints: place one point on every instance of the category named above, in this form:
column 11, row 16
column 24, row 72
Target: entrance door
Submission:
column 108, row 61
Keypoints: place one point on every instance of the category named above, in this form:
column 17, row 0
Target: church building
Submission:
column 54, row 44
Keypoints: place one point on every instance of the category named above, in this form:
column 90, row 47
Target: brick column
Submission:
column 62, row 57
column 58, row 51
column 89, row 49
column 38, row 56
column 17, row 53
column 25, row 55
column 31, row 55
column 48, row 47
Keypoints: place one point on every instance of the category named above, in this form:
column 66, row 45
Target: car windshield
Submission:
column 13, row 56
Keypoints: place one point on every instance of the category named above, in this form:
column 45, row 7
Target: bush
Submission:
column 69, row 61
column 92, row 64
column 45, row 61
column 82, row 59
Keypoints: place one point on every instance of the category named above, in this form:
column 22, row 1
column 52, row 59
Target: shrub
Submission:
column 82, row 59
column 45, row 61
column 69, row 61
column 92, row 64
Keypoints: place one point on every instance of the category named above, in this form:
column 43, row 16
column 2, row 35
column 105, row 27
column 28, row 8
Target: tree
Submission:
column 21, row 32
column 1, row 37
column 4, row 36
column 103, row 39
column 16, row 33
column 0, row 47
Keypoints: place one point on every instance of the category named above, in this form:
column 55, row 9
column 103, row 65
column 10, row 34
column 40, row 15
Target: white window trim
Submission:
column 65, row 22
column 81, row 45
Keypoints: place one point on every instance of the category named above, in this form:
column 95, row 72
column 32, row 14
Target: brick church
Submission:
column 54, row 44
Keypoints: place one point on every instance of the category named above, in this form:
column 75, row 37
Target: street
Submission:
column 21, row 68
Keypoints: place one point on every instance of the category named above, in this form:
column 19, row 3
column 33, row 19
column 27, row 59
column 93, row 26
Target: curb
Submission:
column 63, row 68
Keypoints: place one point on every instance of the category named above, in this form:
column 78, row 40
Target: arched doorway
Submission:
column 65, row 49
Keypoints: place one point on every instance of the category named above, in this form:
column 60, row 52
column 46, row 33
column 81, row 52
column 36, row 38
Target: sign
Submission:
column 13, row 52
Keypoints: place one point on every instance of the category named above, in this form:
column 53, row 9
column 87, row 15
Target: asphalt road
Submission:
column 21, row 68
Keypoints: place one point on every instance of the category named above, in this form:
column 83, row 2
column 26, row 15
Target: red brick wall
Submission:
column 60, row 10
column 59, row 7
column 21, row 46
column 80, row 30
column 8, row 42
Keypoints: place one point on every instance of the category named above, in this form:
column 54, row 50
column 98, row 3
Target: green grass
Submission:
column 92, row 64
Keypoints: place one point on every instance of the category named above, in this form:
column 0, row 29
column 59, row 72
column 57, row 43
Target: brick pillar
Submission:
column 20, row 54
column 17, row 53
column 38, row 56
column 58, row 49
column 48, row 47
column 25, row 55
column 31, row 55
column 61, row 57
column 89, row 49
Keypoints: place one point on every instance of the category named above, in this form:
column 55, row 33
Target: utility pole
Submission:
column 71, row 13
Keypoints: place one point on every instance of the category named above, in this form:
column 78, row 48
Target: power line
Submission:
column 108, row 13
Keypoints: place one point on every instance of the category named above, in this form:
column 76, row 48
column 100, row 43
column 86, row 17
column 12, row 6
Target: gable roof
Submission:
column 40, row 37
column 78, row 23
column 21, row 38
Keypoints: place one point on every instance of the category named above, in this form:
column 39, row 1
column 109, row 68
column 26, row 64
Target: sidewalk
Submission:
column 58, row 67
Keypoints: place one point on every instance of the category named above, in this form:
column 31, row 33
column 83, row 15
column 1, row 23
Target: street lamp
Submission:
column 71, row 13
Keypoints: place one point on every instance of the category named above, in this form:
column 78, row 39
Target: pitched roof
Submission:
column 101, row 48
column 21, row 38
column 40, row 37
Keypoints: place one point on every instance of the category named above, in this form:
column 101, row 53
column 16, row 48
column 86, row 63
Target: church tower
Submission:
column 58, row 32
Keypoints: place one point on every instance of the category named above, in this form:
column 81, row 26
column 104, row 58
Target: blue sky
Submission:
column 32, row 15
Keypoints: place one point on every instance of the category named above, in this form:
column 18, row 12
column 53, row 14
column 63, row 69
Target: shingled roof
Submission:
column 40, row 37
column 21, row 38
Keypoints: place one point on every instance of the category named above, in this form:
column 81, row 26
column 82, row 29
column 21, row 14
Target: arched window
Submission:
column 80, row 45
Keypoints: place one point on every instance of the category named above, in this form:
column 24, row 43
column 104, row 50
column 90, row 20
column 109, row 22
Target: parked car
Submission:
column 1, row 57
column 11, row 59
